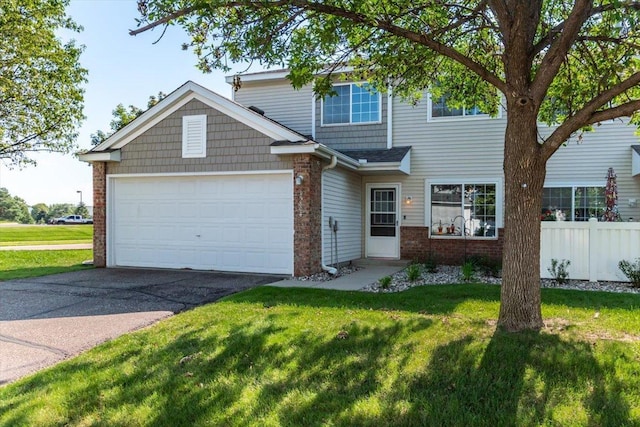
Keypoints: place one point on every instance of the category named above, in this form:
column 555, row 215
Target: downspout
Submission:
column 334, row 161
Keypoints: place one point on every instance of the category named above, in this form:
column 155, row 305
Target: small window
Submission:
column 572, row 203
column 352, row 104
column 439, row 110
column 194, row 136
column 463, row 210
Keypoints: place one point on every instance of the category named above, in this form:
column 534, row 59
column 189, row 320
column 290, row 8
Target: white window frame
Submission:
column 351, row 122
column 464, row 116
column 573, row 187
column 464, row 181
column 199, row 123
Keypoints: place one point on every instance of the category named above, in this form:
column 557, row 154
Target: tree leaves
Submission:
column 41, row 94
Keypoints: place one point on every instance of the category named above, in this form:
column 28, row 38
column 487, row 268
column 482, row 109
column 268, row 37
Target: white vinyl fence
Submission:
column 594, row 248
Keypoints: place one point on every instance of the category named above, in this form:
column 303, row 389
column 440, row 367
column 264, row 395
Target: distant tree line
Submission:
column 15, row 209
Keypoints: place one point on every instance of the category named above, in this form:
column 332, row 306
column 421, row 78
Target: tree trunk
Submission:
column 524, row 174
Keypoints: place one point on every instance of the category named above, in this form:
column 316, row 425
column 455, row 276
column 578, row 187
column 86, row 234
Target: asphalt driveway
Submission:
column 47, row 319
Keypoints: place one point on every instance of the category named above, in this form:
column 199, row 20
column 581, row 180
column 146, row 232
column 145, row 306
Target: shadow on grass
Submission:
column 245, row 364
column 521, row 379
column 436, row 299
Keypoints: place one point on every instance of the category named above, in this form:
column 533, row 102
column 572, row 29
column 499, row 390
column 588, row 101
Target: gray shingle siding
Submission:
column 231, row 146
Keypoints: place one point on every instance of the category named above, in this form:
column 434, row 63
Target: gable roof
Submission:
column 186, row 93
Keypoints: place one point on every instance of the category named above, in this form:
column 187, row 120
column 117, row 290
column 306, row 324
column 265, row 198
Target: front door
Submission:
column 383, row 226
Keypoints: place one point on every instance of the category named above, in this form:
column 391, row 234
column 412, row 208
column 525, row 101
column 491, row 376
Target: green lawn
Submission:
column 45, row 235
column 429, row 356
column 21, row 264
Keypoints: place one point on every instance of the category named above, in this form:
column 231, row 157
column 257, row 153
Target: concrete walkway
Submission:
column 370, row 271
column 70, row 246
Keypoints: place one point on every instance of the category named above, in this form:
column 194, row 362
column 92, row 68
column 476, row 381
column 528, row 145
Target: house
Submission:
column 277, row 181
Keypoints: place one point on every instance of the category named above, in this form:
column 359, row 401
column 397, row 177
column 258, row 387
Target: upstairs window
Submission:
column 438, row 110
column 194, row 136
column 572, row 203
column 353, row 104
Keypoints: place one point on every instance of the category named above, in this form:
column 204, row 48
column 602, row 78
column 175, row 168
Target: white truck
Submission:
column 72, row 219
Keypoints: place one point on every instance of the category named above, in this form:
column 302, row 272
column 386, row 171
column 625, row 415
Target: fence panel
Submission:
column 594, row 248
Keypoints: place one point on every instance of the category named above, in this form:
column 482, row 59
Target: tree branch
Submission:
column 548, row 39
column 354, row 17
column 164, row 20
column 559, row 48
column 589, row 114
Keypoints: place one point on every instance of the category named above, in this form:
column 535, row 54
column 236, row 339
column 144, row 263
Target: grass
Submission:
column 21, row 264
column 427, row 356
column 45, row 235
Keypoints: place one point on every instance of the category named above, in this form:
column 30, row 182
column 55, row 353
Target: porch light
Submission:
column 408, row 200
column 299, row 179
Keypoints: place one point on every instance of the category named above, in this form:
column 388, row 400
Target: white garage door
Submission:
column 229, row 223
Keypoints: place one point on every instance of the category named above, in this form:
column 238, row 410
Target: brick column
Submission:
column 307, row 204
column 99, row 214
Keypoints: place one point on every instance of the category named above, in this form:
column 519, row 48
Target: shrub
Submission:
column 631, row 270
column 489, row 266
column 413, row 272
column 558, row 270
column 468, row 270
column 385, row 282
column 431, row 264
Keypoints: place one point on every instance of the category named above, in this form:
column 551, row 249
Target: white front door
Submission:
column 383, row 225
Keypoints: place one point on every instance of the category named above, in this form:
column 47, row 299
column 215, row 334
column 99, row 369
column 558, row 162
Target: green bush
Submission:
column 468, row 271
column 489, row 266
column 413, row 272
column 631, row 270
column 559, row 271
column 385, row 282
column 431, row 264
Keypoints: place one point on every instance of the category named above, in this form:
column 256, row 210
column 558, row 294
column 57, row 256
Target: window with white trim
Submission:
column 438, row 110
column 194, row 136
column 572, row 203
column 463, row 209
column 353, row 104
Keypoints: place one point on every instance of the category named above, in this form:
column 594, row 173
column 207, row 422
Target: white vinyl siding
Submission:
column 342, row 200
column 194, row 136
column 586, row 161
column 280, row 102
column 443, row 150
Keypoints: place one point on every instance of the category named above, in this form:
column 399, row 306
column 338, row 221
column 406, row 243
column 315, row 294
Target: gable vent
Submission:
column 194, row 136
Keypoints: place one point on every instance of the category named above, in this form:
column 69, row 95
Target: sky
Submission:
column 122, row 69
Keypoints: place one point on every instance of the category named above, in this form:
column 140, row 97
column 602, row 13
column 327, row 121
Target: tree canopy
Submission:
column 13, row 208
column 41, row 94
column 122, row 116
column 573, row 64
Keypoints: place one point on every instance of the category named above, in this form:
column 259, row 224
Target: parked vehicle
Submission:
column 71, row 219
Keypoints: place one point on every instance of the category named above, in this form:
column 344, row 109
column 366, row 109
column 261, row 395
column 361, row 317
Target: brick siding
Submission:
column 416, row 244
column 307, row 199
column 99, row 214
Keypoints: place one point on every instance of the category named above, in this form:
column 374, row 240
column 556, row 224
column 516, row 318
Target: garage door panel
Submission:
column 231, row 223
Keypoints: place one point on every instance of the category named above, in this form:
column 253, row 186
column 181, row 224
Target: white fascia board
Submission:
column 183, row 95
column 101, row 156
column 301, row 148
column 317, row 149
column 635, row 163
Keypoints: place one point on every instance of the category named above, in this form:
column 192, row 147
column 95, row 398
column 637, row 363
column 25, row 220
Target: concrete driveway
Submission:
column 47, row 319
